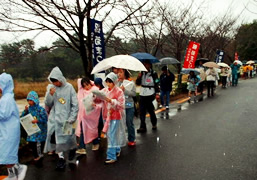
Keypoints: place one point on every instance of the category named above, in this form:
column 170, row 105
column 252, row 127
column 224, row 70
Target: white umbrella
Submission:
column 211, row 64
column 223, row 65
column 238, row 62
column 250, row 62
column 119, row 61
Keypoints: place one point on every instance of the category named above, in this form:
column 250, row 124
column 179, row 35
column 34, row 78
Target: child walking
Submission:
column 193, row 81
column 61, row 98
column 10, row 130
column 113, row 115
column 129, row 93
column 87, row 127
column 37, row 140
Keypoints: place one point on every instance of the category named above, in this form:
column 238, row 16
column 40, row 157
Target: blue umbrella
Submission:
column 145, row 56
column 188, row 70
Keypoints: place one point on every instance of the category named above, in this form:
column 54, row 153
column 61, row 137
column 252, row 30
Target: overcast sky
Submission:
column 212, row 7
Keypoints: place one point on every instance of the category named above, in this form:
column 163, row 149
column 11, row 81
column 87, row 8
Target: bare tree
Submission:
column 70, row 20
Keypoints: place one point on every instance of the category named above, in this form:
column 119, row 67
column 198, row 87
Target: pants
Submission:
column 113, row 138
column 112, row 152
column 100, row 124
column 234, row 79
column 95, row 141
column 37, row 148
column 210, row 86
column 224, row 81
column 200, row 87
column 167, row 94
column 146, row 104
column 130, row 124
column 81, row 139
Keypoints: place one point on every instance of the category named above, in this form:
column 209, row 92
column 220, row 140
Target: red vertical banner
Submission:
column 191, row 54
column 236, row 56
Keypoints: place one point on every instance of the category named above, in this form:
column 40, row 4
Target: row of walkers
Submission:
column 228, row 76
column 64, row 106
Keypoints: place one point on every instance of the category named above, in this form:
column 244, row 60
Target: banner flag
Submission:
column 97, row 38
column 191, row 54
column 220, row 56
column 236, row 56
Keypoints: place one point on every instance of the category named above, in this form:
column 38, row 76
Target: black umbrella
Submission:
column 204, row 60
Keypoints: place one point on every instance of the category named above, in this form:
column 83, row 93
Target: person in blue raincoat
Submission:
column 61, row 98
column 37, row 140
column 9, row 130
column 234, row 69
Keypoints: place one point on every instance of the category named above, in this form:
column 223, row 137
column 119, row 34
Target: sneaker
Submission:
column 61, row 164
column 11, row 174
column 132, row 143
column 160, row 106
column 141, row 130
column 109, row 161
column 81, row 151
column 95, row 147
column 167, row 107
column 21, row 171
column 154, row 128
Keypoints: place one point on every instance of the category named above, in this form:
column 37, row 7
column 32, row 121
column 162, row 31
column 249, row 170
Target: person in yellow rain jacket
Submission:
column 245, row 69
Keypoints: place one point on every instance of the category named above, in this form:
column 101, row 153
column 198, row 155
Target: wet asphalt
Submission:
column 214, row 139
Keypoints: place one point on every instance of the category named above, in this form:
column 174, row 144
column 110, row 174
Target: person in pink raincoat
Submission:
column 87, row 127
column 114, row 117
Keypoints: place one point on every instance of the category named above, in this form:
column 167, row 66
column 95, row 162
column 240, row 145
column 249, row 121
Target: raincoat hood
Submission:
column 6, row 83
column 56, row 73
column 33, row 96
column 113, row 77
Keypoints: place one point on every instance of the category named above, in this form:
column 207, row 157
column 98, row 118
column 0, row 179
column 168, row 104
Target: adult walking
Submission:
column 166, row 80
column 149, row 87
column 10, row 130
column 234, row 69
column 224, row 75
column 211, row 77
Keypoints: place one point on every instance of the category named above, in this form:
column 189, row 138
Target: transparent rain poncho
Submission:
column 63, row 107
column 114, row 115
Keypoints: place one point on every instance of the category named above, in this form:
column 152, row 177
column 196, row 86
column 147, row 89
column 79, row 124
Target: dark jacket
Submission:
column 166, row 81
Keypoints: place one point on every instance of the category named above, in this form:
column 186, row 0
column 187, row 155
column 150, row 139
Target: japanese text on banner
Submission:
column 97, row 38
column 191, row 54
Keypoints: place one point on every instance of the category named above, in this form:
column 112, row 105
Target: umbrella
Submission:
column 238, row 62
column 211, row 64
column 169, row 60
column 250, row 62
column 188, row 70
column 223, row 65
column 204, row 60
column 119, row 61
column 145, row 56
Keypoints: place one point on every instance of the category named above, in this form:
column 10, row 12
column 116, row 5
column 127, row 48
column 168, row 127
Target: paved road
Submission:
column 214, row 139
